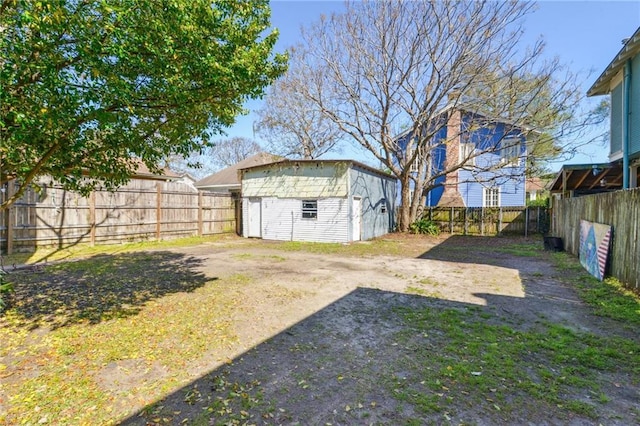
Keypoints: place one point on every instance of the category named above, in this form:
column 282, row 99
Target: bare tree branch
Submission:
column 381, row 69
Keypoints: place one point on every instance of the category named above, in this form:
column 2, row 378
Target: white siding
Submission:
column 309, row 180
column 282, row 220
column 245, row 217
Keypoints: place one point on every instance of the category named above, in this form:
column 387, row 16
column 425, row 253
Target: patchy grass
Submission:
column 247, row 256
column 395, row 244
column 609, row 298
column 76, row 327
column 473, row 249
column 460, row 357
column 462, row 353
column 530, row 248
column 51, row 254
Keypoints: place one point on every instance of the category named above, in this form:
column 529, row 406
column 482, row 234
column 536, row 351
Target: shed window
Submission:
column 309, row 209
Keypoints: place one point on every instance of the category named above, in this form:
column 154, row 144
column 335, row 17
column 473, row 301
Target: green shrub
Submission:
column 424, row 226
column 539, row 202
column 6, row 288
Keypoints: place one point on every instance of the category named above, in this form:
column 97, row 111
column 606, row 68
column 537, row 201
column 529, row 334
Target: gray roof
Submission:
column 229, row 177
column 630, row 49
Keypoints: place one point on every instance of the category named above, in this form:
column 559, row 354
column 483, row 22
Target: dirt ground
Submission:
column 323, row 339
column 318, row 334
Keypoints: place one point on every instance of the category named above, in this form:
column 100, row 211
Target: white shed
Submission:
column 317, row 200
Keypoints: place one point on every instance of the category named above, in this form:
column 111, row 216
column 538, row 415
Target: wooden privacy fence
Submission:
column 489, row 220
column 621, row 210
column 141, row 210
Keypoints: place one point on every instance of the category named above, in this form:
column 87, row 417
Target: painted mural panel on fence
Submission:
column 594, row 247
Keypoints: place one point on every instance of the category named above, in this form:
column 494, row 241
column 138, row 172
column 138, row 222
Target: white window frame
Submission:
column 466, row 154
column 412, row 148
column 491, row 196
column 309, row 209
column 511, row 151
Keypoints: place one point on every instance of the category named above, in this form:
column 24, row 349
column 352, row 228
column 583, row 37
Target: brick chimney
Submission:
column 451, row 196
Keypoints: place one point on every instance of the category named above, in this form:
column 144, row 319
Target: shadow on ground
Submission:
column 379, row 357
column 100, row 287
column 483, row 250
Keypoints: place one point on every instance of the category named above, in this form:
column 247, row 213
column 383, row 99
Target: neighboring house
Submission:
column 167, row 175
column 621, row 79
column 142, row 172
column 493, row 151
column 227, row 180
column 317, row 200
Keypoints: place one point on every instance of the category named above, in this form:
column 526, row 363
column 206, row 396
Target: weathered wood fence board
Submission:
column 142, row 210
column 489, row 221
column 621, row 210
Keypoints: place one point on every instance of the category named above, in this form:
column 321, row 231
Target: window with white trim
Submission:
column 466, row 154
column 492, row 197
column 510, row 152
column 414, row 165
column 309, row 209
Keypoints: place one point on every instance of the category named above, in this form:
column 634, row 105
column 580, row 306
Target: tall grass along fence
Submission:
column 141, row 210
column 621, row 210
column 489, row 220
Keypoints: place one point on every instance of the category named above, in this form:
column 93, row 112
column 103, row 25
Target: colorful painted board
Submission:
column 594, row 247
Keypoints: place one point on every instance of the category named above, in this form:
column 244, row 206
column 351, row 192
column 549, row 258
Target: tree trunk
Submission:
column 405, row 204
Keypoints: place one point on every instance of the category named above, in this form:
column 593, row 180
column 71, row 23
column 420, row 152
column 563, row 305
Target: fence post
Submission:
column 466, row 221
column 499, row 220
column 451, row 221
column 11, row 189
column 526, row 222
column 92, row 218
column 200, row 214
column 158, row 210
column 482, row 221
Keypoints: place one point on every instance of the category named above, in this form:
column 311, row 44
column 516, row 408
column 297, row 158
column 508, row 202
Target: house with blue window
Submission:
column 477, row 160
column 621, row 81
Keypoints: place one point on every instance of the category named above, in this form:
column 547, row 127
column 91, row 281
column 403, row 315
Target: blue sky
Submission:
column 585, row 35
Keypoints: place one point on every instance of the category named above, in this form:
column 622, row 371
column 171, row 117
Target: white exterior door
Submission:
column 356, row 218
column 254, row 213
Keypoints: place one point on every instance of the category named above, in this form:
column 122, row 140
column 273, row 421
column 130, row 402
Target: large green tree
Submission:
column 87, row 85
